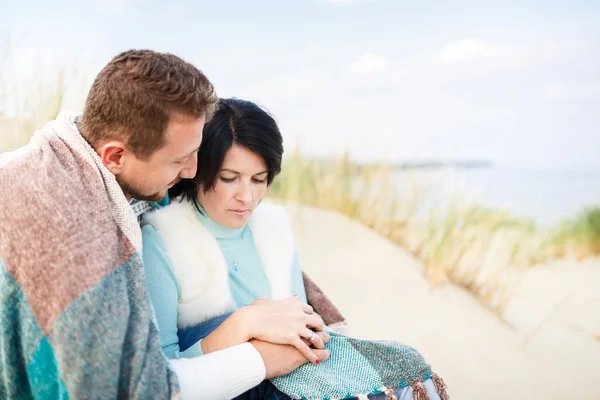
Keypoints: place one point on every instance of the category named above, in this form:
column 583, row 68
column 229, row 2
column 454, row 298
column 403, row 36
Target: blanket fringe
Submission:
column 419, row 391
column 440, row 387
column 389, row 394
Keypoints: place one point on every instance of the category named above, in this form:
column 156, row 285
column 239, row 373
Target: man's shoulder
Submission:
column 40, row 193
column 16, row 155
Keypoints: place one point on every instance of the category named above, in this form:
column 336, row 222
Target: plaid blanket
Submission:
column 74, row 310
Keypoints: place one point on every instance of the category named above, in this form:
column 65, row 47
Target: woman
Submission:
column 214, row 251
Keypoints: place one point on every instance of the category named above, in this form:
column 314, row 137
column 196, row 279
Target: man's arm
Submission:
column 282, row 359
column 223, row 374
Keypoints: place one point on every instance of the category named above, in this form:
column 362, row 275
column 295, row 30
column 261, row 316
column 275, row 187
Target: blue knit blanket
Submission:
column 356, row 368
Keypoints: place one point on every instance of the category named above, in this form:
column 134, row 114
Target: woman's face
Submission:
column 241, row 184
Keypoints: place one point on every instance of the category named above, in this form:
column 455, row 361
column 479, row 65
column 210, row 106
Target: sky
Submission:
column 513, row 82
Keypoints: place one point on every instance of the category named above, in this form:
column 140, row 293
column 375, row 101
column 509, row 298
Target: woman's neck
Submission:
column 217, row 230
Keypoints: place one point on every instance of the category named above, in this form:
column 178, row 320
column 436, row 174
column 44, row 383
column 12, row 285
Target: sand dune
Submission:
column 547, row 348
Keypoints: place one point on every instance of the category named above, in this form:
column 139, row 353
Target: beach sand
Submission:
column 546, row 346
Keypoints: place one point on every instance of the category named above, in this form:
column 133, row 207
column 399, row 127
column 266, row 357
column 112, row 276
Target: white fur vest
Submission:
column 201, row 268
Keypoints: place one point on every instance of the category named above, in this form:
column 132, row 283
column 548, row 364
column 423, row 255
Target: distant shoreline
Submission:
column 433, row 164
column 404, row 165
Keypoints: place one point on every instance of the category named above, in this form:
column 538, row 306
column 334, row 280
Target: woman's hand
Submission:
column 286, row 321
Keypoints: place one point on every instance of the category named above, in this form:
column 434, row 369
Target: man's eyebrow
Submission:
column 189, row 154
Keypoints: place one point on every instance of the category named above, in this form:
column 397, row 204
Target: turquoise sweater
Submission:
column 247, row 278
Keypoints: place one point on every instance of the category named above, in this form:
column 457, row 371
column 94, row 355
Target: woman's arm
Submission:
column 266, row 322
column 280, row 322
column 286, row 321
column 163, row 290
column 223, row 374
column 297, row 281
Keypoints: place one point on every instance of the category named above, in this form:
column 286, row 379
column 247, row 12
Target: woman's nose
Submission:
column 244, row 194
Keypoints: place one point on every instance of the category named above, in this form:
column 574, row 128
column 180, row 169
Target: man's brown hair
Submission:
column 133, row 97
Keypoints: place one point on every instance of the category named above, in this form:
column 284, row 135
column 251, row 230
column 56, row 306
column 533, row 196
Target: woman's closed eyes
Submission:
column 255, row 180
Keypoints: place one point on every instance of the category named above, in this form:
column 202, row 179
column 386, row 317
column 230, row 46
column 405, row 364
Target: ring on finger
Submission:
column 312, row 336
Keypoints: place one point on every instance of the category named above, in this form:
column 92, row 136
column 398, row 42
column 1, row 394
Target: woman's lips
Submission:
column 240, row 212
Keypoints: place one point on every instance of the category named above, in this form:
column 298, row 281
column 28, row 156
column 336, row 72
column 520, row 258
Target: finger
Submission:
column 305, row 350
column 324, row 336
column 317, row 315
column 317, row 342
column 314, row 339
column 322, row 354
column 307, row 309
column 315, row 323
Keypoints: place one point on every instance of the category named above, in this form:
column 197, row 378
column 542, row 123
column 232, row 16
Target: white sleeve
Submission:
column 223, row 374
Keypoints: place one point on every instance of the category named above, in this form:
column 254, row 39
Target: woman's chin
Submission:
column 237, row 221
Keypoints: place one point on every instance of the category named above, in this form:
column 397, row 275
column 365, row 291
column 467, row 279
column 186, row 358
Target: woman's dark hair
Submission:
column 235, row 122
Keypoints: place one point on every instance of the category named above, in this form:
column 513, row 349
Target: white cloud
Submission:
column 369, row 63
column 469, row 50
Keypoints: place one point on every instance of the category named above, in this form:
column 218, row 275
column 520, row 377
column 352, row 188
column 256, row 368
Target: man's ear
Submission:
column 114, row 155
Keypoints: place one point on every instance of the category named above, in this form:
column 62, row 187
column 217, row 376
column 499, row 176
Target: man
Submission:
column 75, row 315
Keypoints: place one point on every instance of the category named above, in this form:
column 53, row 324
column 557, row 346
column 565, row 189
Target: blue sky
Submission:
column 515, row 82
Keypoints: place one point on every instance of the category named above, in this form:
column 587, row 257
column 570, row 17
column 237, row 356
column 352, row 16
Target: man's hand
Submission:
column 281, row 359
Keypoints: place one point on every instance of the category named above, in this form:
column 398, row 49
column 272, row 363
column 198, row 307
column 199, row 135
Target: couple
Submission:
column 77, row 321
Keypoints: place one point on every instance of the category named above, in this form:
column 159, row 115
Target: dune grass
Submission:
column 481, row 249
column 478, row 248
column 28, row 105
column 579, row 237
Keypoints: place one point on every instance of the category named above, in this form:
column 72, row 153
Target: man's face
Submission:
column 151, row 179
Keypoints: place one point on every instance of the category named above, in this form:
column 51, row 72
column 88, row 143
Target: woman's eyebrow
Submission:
column 239, row 173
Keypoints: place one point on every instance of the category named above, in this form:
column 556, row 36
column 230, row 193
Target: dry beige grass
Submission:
column 475, row 247
column 481, row 249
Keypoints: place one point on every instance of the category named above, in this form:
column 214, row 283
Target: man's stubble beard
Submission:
column 132, row 193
